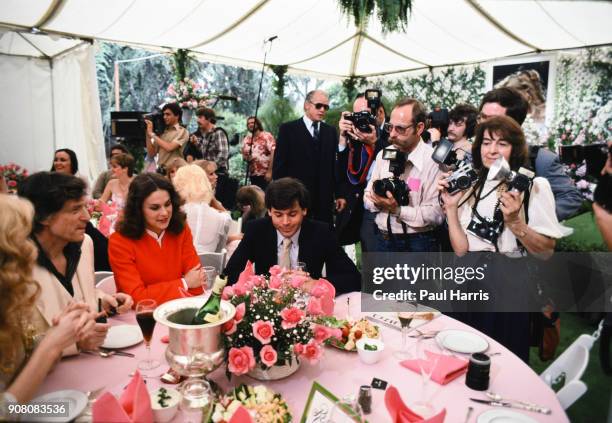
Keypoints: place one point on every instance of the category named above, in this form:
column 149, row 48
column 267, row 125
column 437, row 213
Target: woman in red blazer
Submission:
column 152, row 253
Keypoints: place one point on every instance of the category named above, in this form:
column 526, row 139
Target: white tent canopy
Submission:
column 313, row 35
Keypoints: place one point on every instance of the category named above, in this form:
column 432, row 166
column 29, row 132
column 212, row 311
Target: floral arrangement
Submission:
column 262, row 404
column 13, row 175
column 187, row 93
column 103, row 216
column 275, row 322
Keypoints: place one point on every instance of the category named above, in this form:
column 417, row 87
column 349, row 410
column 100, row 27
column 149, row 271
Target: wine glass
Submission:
column 405, row 317
column 427, row 366
column 144, row 317
column 346, row 410
column 211, row 274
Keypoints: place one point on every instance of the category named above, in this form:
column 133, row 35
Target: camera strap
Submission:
column 390, row 232
column 358, row 176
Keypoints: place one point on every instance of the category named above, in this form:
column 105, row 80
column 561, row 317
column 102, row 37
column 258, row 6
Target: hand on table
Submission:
column 196, row 277
column 120, row 301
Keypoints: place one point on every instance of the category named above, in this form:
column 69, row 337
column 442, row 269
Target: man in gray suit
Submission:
column 509, row 102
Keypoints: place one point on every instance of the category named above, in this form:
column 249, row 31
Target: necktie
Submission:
column 315, row 131
column 285, row 257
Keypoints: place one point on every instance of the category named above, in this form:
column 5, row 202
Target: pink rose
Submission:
column 312, row 351
column 263, row 331
column 228, row 292
column 314, row 307
column 240, row 289
column 229, row 327
column 298, row 349
column 255, row 280
column 268, row 355
column 297, row 281
column 241, row 360
column 321, row 332
column 275, row 270
column 275, row 282
column 12, row 184
column 240, row 310
column 291, row 317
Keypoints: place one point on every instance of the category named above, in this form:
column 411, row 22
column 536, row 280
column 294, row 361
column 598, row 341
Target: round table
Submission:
column 342, row 373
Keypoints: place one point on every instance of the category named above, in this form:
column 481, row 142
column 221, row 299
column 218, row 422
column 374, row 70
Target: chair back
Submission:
column 571, row 363
column 216, row 260
column 107, row 285
column 571, row 392
column 102, row 275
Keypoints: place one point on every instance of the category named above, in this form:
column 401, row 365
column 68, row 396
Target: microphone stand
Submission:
column 267, row 43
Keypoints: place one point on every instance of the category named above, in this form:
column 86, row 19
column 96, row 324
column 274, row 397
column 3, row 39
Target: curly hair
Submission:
column 133, row 223
column 193, row 185
column 506, row 128
column 17, row 258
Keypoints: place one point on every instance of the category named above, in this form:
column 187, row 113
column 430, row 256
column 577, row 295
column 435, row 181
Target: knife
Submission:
column 382, row 322
column 118, row 352
column 517, row 405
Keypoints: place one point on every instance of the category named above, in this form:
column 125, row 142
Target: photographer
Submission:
column 406, row 218
column 461, row 127
column 492, row 216
column 169, row 144
column 603, row 211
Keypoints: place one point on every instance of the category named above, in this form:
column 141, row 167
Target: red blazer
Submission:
column 144, row 270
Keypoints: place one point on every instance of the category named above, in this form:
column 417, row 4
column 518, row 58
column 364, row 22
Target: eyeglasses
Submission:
column 399, row 129
column 320, row 105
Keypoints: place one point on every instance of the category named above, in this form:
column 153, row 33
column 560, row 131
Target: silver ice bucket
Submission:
column 194, row 350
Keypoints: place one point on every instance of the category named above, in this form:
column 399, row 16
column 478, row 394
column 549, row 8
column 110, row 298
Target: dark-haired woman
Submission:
column 152, row 253
column 65, row 161
column 490, row 201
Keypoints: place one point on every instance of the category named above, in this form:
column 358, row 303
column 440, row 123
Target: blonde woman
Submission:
column 210, row 168
column 209, row 227
column 23, row 365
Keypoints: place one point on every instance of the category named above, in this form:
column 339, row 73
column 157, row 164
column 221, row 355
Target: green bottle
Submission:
column 209, row 312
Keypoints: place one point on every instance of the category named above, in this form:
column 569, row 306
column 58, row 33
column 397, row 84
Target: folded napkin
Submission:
column 246, row 274
column 324, row 290
column 133, row 406
column 446, row 367
column 400, row 413
column 241, row 415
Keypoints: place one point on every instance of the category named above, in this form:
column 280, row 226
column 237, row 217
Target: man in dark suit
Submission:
column 285, row 238
column 306, row 150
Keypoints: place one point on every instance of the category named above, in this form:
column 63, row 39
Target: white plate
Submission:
column 461, row 341
column 122, row 336
column 504, row 416
column 77, row 401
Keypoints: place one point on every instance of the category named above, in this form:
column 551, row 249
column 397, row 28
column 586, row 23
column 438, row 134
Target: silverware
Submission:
column 92, row 395
column 117, row 352
column 469, row 414
column 517, row 405
column 382, row 322
column 498, row 397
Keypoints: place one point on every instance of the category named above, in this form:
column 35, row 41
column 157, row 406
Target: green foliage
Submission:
column 279, row 83
column 276, row 111
column 392, row 14
column 351, row 87
column 181, row 61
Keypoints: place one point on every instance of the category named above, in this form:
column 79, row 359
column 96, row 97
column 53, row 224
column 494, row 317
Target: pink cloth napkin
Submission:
column 446, row 368
column 400, row 413
column 327, row 299
column 133, row 406
column 241, row 415
column 246, row 273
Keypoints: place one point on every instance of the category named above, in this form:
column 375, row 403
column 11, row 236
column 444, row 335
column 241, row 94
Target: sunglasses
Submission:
column 320, row 105
column 399, row 129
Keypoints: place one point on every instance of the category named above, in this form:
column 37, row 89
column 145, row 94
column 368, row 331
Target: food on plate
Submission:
column 264, row 405
column 351, row 332
column 369, row 347
column 423, row 315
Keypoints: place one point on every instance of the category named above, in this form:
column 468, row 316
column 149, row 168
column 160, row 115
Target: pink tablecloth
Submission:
column 340, row 372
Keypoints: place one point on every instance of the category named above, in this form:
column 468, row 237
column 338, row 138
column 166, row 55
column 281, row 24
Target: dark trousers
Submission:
column 368, row 231
column 260, row 181
column 417, row 243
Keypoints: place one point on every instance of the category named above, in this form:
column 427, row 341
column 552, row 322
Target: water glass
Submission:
column 197, row 397
column 346, row 410
column 211, row 274
column 427, row 366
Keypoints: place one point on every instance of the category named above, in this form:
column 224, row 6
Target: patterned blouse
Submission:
column 261, row 154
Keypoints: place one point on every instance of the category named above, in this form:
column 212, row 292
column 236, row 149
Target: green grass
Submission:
column 593, row 406
column 586, row 236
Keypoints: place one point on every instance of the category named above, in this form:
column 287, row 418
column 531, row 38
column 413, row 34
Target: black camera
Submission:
column 361, row 120
column 464, row 176
column 374, row 98
column 396, row 186
column 157, row 118
column 486, row 229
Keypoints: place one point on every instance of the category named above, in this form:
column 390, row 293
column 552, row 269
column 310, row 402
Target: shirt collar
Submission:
column 308, row 122
column 294, row 239
column 159, row 238
column 419, row 154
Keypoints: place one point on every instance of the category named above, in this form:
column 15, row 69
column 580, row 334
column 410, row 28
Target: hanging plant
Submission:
column 279, row 84
column 181, row 60
column 392, row 14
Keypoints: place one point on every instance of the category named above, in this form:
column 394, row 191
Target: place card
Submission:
column 321, row 404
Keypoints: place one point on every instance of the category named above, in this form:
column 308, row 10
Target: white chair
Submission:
column 107, row 285
column 571, row 365
column 102, row 275
column 216, row 260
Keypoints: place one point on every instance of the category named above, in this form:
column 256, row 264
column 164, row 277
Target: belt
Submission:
column 387, row 236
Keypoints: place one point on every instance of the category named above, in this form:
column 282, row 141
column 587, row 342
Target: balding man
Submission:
column 306, row 150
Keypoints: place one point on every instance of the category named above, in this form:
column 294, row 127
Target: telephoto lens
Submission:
column 477, row 376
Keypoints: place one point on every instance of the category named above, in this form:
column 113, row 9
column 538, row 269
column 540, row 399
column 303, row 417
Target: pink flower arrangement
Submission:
column 188, row 94
column 273, row 325
column 13, row 175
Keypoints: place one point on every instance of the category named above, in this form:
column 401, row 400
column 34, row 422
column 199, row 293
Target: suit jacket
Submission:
column 53, row 296
column 297, row 156
column 317, row 246
column 567, row 197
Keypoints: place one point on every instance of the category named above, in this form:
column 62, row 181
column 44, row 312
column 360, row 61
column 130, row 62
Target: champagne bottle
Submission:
column 209, row 312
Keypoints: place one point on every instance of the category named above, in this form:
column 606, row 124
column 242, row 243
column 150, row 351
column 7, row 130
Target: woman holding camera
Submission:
column 490, row 217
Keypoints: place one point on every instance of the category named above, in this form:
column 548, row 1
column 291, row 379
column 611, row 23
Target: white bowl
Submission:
column 165, row 414
column 367, row 356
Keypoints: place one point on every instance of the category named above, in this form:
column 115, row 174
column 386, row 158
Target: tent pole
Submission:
column 117, row 85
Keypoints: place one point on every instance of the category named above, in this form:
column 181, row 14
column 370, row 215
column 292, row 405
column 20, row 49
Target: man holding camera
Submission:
column 461, row 126
column 402, row 190
column 169, row 144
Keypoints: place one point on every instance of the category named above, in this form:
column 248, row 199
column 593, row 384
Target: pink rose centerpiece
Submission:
column 189, row 94
column 272, row 328
column 13, row 175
